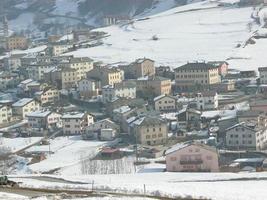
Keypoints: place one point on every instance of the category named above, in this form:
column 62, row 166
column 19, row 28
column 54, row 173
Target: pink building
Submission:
column 192, row 157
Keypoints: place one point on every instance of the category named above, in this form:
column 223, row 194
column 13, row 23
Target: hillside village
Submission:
column 68, row 115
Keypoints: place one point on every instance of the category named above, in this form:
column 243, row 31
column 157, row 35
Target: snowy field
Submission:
column 216, row 186
column 199, row 31
column 65, row 152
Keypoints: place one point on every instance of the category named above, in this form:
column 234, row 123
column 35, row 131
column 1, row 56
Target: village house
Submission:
column 48, row 95
column 62, row 78
column 189, row 119
column 153, row 85
column 192, row 157
column 150, row 130
column 8, row 79
column 222, row 66
column 247, row 136
column 140, row 68
column 207, row 100
column 17, row 42
column 108, row 134
column 165, row 71
column 102, row 124
column 58, row 48
column 5, row 114
column 13, row 62
column 44, row 120
column 36, row 70
column 123, row 89
column 165, row 103
column 75, row 123
column 82, row 65
column 88, row 88
column 191, row 75
column 248, row 116
column 107, row 75
column 25, row 106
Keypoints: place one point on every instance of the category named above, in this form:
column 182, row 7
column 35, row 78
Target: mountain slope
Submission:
column 199, row 31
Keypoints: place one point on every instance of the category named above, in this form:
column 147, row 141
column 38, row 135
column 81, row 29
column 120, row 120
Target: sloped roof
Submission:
column 196, row 66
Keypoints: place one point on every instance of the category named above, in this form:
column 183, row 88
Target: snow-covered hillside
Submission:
column 199, row 31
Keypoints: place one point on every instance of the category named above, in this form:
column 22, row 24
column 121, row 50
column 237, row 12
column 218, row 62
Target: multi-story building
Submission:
column 150, row 130
column 263, row 75
column 82, row 65
column 36, row 71
column 107, row 75
column 102, row 124
column 88, row 87
column 192, row 157
column 140, row 68
column 155, row 85
column 165, row 103
column 13, row 62
column 207, row 100
column 44, row 120
column 25, row 106
column 5, row 114
column 48, row 95
column 123, row 89
column 8, row 79
column 56, row 49
column 75, row 123
column 246, row 136
column 191, row 75
column 17, row 42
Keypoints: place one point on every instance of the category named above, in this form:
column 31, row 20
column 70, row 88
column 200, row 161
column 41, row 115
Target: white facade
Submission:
column 36, row 71
column 207, row 102
column 87, row 87
column 13, row 62
column 59, row 49
column 44, row 119
column 241, row 136
column 107, row 134
column 75, row 123
column 110, row 92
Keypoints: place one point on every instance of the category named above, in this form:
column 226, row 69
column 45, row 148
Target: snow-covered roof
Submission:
column 22, row 102
column 73, row 115
column 26, row 81
column 161, row 96
column 39, row 113
column 122, row 109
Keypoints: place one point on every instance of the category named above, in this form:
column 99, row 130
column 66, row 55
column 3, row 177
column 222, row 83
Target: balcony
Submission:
column 191, row 162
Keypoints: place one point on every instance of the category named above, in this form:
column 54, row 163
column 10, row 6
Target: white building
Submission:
column 165, row 103
column 88, row 87
column 58, row 49
column 246, row 136
column 36, row 71
column 25, row 106
column 102, row 124
column 107, row 134
column 207, row 101
column 44, row 120
column 13, row 62
column 75, row 123
column 124, row 89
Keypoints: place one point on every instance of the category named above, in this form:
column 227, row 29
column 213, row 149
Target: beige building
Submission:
column 165, row 103
column 57, row 49
column 17, row 42
column 140, row 68
column 48, row 95
column 75, row 123
column 82, row 65
column 5, row 114
column 154, row 85
column 107, row 75
column 196, row 74
column 150, row 130
column 25, row 106
column 192, row 157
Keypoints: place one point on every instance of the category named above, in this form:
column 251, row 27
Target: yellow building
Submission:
column 193, row 74
column 48, row 95
column 150, row 130
column 17, row 42
column 154, row 85
column 107, row 76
